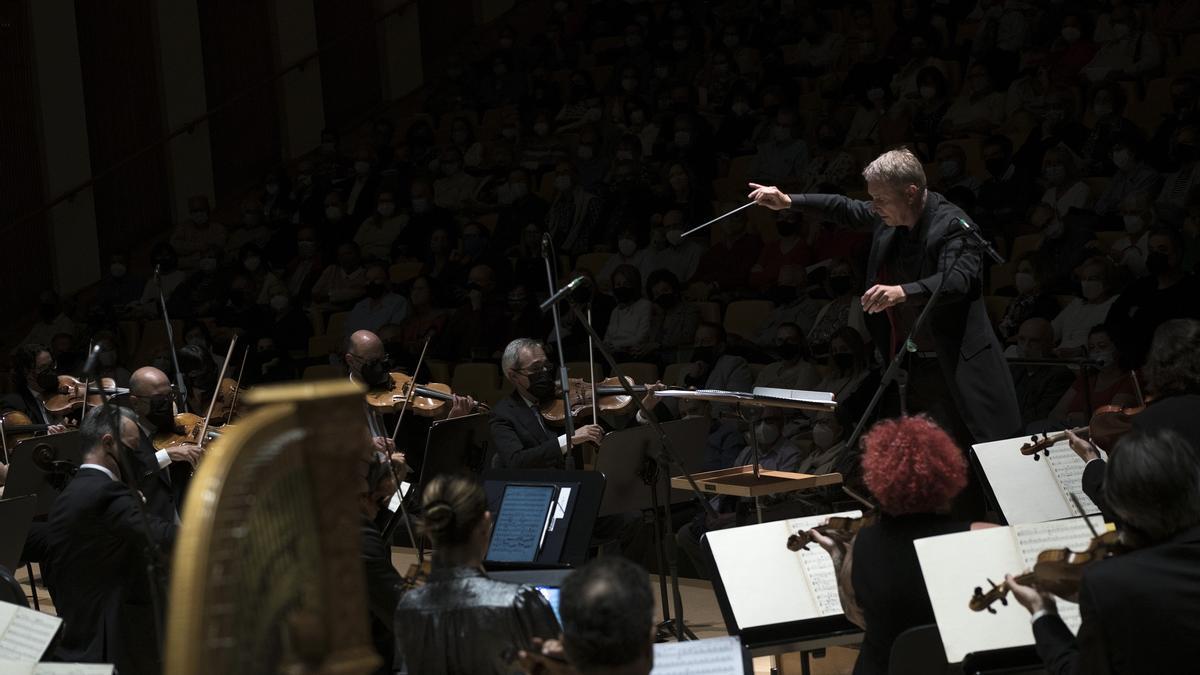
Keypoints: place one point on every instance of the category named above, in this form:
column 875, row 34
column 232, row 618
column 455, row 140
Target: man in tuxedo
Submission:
column 98, row 535
column 1140, row 610
column 522, row 439
column 956, row 369
column 161, row 475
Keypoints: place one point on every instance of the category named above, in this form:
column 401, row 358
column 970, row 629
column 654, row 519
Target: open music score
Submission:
column 521, row 523
column 1029, row 491
column 785, row 585
column 711, row 656
column 955, row 564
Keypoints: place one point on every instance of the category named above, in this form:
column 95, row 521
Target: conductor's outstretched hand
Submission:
column 769, row 196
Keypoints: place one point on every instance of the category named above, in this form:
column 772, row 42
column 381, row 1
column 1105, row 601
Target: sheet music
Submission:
column 521, row 524
column 818, row 566
column 1029, row 491
column 710, row 656
column 1067, row 468
column 31, row 668
column 1032, row 539
column 26, row 633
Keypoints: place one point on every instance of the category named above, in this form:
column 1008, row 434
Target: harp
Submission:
column 267, row 574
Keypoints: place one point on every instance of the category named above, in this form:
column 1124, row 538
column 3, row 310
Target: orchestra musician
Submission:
column 914, row 470
column 1140, row 609
column 461, row 621
column 35, row 378
column 956, row 368
column 96, row 545
column 162, row 474
column 383, row 581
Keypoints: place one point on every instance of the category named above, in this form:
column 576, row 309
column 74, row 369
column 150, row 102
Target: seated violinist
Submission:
column 914, row 470
column 35, row 380
column 1139, row 609
column 367, row 362
column 1172, row 373
column 153, row 399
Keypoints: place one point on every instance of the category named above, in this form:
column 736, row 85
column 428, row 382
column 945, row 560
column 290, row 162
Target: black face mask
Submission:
column 1157, row 263
column 996, row 167
column 375, row 290
column 787, row 228
column 828, row 142
column 705, row 354
column 788, row 351
column 159, row 412
column 840, row 285
column 541, row 384
column 843, row 361
column 624, row 294
column 48, row 310
column 667, row 300
column 1185, row 153
column 375, row 373
column 47, row 381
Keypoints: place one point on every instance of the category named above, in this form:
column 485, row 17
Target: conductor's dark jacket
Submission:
column 96, row 541
column 977, row 377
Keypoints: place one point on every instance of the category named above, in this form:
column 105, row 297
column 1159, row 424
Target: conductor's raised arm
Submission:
column 852, row 212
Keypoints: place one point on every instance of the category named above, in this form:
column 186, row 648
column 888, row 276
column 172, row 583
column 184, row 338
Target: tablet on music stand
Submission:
column 521, row 523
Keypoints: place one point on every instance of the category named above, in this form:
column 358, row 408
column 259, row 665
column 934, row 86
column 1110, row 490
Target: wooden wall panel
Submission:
column 118, row 59
column 350, row 75
column 239, row 56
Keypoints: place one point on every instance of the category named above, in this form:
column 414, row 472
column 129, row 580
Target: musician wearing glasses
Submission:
column 162, row 474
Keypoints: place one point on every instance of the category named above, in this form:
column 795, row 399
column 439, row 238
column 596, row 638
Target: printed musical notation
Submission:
column 520, row 523
column 1074, row 533
column 1068, row 473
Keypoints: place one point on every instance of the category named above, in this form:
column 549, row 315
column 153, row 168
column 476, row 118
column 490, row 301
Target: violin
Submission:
column 428, row 400
column 186, row 431
column 16, row 426
column 227, row 393
column 72, row 391
column 1056, row 571
column 1108, row 423
column 610, row 397
column 840, row 524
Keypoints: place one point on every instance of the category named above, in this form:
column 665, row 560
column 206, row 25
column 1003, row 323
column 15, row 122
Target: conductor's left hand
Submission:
column 769, row 196
column 880, row 297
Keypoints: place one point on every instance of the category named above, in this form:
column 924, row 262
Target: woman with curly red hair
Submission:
column 914, row 469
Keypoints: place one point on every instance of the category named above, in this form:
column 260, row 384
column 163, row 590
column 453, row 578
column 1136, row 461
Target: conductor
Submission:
column 956, row 370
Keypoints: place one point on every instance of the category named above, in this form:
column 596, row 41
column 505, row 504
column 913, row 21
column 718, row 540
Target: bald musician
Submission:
column 161, row 474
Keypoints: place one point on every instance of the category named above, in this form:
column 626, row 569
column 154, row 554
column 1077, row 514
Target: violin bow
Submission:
column 237, row 389
column 87, row 383
column 180, row 382
column 412, row 388
column 591, row 368
column 1137, row 388
column 212, row 403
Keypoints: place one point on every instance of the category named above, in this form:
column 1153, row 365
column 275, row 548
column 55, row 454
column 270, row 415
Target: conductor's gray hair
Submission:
column 512, row 353
column 898, row 168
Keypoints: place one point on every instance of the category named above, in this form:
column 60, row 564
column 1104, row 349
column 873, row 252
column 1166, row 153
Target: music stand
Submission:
column 623, row 458
column 17, row 515
column 455, row 446
column 28, row 474
column 575, row 532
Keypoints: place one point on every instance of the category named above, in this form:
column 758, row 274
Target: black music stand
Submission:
column 455, row 446
column 43, row 466
column 17, row 515
column 574, row 531
column 624, row 457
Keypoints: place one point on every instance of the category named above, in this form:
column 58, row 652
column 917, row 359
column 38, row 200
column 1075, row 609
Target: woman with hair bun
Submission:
column 461, row 621
column 914, row 469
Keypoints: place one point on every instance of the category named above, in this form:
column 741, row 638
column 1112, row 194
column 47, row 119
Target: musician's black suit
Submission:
column 520, row 437
column 1141, row 614
column 96, row 543
column 976, row 376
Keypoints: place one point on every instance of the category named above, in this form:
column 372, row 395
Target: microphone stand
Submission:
column 568, row 416
column 666, row 457
column 179, row 381
column 893, row 372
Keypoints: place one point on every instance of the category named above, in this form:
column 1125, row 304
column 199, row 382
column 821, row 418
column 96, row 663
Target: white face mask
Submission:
column 1092, row 288
column 627, row 247
column 949, row 168
column 208, row 264
column 1024, row 282
column 279, row 302
column 541, row 128
column 117, row 270
column 1103, row 358
column 562, row 183
column 333, row 212
column 674, row 237
column 584, row 152
column 1102, row 109
column 1133, row 223
column 1070, row 33
column 1122, row 159
column 767, row 434
column 518, row 190
column 200, row 217
column 251, row 264
column 362, row 168
column 823, row 436
column 928, row 92
column 624, row 155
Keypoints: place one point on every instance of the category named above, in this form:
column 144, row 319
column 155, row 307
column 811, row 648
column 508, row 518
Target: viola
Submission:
column 72, row 391
column 1056, row 571
column 1108, row 423
column 611, row 397
column 837, row 524
column 432, row 399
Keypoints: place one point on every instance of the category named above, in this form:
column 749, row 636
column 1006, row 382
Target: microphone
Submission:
column 89, row 366
column 973, row 232
column 156, row 271
column 546, row 245
column 569, row 288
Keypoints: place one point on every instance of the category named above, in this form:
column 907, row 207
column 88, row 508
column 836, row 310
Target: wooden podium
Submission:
column 751, row 480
